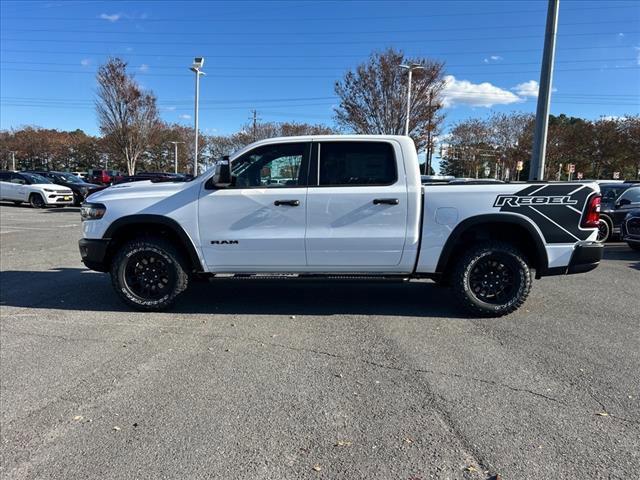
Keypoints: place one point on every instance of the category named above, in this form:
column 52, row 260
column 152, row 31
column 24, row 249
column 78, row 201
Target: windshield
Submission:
column 68, row 177
column 611, row 192
column 35, row 178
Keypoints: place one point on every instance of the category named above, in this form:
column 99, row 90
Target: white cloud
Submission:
column 143, row 68
column 168, row 109
column 463, row 92
column 493, row 58
column 621, row 35
column 184, row 116
column 113, row 17
column 85, row 62
column 527, row 89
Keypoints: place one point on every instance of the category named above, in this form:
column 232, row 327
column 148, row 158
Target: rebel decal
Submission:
column 516, row 200
column 555, row 208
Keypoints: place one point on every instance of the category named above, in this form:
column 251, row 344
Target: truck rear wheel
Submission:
column 149, row 273
column 492, row 279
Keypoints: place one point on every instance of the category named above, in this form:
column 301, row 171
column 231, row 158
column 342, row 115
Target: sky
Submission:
column 282, row 58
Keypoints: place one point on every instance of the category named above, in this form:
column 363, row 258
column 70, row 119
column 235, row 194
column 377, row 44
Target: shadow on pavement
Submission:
column 80, row 289
column 62, row 210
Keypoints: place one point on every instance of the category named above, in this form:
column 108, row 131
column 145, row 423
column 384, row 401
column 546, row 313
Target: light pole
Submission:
column 411, row 67
column 198, row 62
column 175, row 157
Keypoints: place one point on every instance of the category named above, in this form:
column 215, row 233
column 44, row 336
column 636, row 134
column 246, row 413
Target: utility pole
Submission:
column 410, row 68
column 175, row 155
column 536, row 171
column 13, row 160
column 427, row 163
column 255, row 124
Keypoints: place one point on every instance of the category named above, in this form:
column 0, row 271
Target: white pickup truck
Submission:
column 339, row 205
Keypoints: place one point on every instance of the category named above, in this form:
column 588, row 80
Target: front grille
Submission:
column 633, row 226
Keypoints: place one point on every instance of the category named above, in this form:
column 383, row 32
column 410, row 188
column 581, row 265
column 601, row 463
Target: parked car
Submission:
column 19, row 187
column 153, row 176
column 630, row 229
column 617, row 200
column 357, row 209
column 103, row 177
column 80, row 188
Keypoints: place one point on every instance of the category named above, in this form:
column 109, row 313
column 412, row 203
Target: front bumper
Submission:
column 59, row 198
column 94, row 253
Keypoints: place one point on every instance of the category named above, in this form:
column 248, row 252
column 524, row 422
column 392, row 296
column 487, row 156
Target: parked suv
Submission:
column 80, row 188
column 630, row 229
column 617, row 200
column 103, row 177
column 153, row 176
column 19, row 187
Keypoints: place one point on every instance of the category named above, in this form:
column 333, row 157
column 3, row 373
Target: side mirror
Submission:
column 222, row 175
column 624, row 201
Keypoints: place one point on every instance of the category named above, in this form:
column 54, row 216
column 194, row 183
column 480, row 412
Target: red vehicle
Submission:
column 104, row 177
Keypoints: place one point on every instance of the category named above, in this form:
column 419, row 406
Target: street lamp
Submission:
column 198, row 62
column 411, row 67
column 175, row 145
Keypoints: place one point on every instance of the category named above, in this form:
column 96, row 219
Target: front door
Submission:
column 629, row 200
column 258, row 223
column 356, row 206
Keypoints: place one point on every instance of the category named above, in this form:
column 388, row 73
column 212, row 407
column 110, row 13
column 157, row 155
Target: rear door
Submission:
column 6, row 187
column 356, row 206
column 627, row 201
column 258, row 224
column 19, row 187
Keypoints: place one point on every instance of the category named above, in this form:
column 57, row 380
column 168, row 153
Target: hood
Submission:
column 52, row 186
column 138, row 190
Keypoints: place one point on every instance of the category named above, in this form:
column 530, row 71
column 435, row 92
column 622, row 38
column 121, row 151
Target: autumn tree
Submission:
column 373, row 98
column 127, row 115
column 220, row 145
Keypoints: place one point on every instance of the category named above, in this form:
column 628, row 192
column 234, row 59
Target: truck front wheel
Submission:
column 149, row 273
column 491, row 279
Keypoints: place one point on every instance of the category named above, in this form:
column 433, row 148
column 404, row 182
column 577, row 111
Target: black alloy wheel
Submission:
column 148, row 276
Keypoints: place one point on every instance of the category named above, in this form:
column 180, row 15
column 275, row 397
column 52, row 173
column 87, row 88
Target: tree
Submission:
column 373, row 98
column 217, row 146
column 128, row 116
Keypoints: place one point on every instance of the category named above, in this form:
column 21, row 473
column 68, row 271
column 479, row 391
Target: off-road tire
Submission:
column 36, row 200
column 478, row 255
column 167, row 253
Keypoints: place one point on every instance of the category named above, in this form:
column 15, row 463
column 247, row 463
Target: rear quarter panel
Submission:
column 553, row 209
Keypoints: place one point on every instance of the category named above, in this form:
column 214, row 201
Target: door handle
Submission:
column 386, row 201
column 291, row 203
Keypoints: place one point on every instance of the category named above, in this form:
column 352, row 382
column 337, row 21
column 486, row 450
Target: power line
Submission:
column 243, row 19
column 254, row 76
column 305, row 32
column 289, row 56
column 253, row 68
column 337, row 42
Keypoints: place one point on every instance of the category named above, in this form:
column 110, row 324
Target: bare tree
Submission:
column 373, row 98
column 128, row 116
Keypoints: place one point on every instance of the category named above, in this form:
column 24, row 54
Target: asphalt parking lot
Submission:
column 270, row 379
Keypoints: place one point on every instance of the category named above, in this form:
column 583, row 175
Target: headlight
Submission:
column 92, row 211
column 49, row 190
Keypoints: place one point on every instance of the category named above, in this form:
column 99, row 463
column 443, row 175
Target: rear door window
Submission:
column 356, row 163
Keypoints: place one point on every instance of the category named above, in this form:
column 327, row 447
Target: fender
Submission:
column 470, row 222
column 163, row 221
